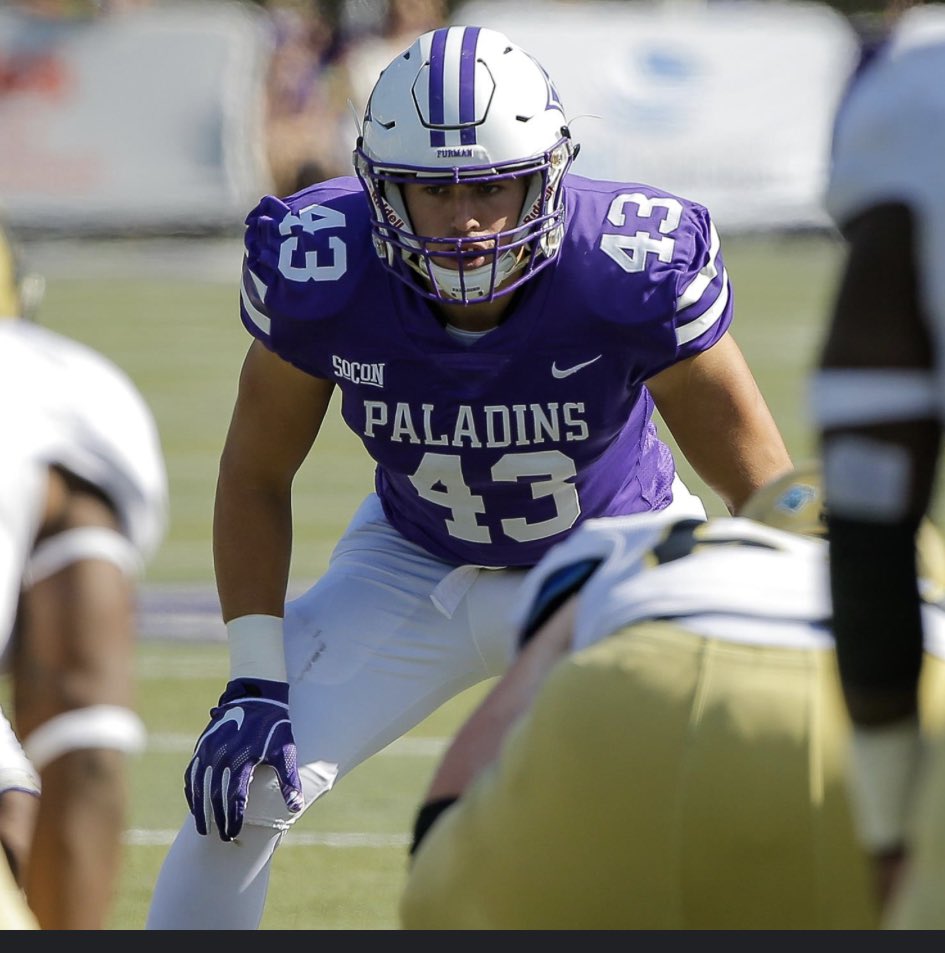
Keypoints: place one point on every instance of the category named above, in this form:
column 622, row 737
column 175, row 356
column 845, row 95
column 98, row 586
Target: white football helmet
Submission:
column 465, row 105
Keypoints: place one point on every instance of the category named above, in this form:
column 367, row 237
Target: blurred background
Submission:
column 131, row 117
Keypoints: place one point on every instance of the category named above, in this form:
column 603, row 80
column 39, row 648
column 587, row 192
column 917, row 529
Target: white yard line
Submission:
column 137, row 837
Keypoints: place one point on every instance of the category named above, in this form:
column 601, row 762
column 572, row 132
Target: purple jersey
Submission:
column 489, row 453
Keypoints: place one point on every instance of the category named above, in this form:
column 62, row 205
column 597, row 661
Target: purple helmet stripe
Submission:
column 437, row 68
column 467, row 85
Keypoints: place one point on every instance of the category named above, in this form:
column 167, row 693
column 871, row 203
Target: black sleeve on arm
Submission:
column 877, row 616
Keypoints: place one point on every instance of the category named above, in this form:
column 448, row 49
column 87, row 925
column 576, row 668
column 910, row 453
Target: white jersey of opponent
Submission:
column 64, row 403
column 889, row 145
column 726, row 578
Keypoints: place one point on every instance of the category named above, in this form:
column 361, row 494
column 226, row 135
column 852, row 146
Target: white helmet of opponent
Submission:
column 466, row 105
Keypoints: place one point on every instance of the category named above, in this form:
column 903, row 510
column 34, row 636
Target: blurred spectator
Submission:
column 367, row 50
column 401, row 22
column 302, row 109
column 326, row 54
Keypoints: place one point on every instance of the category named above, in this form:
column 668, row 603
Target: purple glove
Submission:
column 250, row 726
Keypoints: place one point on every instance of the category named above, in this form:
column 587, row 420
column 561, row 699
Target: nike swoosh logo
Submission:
column 234, row 714
column 560, row 372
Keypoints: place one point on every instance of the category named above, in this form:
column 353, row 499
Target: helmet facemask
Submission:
column 509, row 124
column 521, row 251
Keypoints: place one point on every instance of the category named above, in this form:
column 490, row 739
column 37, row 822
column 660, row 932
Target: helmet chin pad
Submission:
column 467, row 285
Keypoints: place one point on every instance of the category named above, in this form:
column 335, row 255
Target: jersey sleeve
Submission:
column 260, row 266
column 111, row 438
column 22, row 496
column 703, row 308
column 301, row 263
column 649, row 265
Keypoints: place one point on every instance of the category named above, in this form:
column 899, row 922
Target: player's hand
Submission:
column 249, row 726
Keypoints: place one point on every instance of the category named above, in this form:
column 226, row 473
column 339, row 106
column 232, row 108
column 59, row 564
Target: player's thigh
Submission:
column 769, row 840
column 369, row 653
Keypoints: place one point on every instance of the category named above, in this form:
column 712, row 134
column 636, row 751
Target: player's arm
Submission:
column 279, row 411
column 874, row 400
column 721, row 422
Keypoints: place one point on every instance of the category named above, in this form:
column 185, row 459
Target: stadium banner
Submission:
column 148, row 120
column 727, row 103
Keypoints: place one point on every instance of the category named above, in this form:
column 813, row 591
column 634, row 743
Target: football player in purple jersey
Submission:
column 501, row 331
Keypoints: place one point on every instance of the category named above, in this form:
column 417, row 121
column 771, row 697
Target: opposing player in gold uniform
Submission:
column 667, row 750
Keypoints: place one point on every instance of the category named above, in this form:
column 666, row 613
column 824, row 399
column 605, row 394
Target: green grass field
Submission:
column 181, row 340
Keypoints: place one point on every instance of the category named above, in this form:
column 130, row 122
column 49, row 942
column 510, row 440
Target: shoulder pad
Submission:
column 304, row 256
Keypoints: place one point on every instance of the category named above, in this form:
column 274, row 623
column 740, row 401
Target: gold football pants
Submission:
column 662, row 780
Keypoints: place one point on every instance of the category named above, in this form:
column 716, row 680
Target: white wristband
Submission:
column 884, row 765
column 256, row 648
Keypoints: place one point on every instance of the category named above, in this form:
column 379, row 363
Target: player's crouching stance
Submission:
column 500, row 332
column 668, row 750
